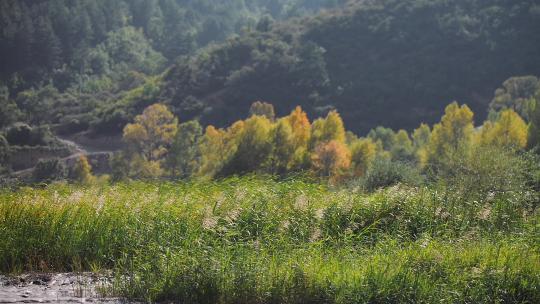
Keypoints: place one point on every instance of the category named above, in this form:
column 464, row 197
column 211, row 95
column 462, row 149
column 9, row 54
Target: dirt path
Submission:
column 54, row 288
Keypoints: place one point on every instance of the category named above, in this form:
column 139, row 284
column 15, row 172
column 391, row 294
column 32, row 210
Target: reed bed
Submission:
column 258, row 240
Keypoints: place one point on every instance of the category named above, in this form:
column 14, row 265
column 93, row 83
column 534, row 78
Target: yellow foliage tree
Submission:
column 253, row 148
column 328, row 129
column 217, row 147
column 301, row 133
column 82, row 171
column 363, row 152
column 142, row 168
column 211, row 147
column 152, row 132
column 510, row 130
column 452, row 135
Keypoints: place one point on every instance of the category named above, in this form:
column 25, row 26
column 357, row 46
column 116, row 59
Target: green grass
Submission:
column 255, row 240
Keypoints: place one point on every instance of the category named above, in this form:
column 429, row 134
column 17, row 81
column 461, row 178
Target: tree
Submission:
column 301, row 133
column 363, row 152
column 534, row 125
column 184, row 156
column 386, row 136
column 421, row 137
column 119, row 166
column 142, row 168
column 509, row 130
column 515, row 94
column 212, row 148
column 152, row 132
column 9, row 112
column 282, row 141
column 254, row 147
column 402, row 150
column 331, row 159
column 262, row 108
column 48, row 170
column 451, row 136
column 328, row 129
column 81, row 171
column 218, row 147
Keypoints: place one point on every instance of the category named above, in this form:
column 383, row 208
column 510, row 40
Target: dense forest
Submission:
column 64, row 42
column 93, row 65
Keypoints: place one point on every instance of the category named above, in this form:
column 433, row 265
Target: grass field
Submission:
column 256, row 240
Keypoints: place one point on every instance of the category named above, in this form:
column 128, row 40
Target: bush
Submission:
column 49, row 170
column 81, row 172
column 384, row 173
column 489, row 170
column 21, row 134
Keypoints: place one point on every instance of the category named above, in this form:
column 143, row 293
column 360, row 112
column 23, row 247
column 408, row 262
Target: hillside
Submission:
column 63, row 43
column 374, row 61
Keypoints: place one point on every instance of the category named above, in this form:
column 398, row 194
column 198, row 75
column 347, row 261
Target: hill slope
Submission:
column 388, row 62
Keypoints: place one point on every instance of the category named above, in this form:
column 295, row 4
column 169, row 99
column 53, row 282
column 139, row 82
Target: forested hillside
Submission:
column 94, row 65
column 63, row 42
column 373, row 61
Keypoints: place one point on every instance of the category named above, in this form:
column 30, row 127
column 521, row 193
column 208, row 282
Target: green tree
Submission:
column 49, row 170
column 386, row 136
column 534, row 125
column 403, row 149
column 421, row 137
column 254, row 147
column 283, row 148
column 262, row 108
column 184, row 155
column 515, row 94
column 9, row 112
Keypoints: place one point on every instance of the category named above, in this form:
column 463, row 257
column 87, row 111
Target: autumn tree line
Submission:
column 158, row 146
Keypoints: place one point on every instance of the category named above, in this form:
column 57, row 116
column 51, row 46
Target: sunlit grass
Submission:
column 256, row 240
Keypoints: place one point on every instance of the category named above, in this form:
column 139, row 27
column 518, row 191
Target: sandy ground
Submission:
column 53, row 288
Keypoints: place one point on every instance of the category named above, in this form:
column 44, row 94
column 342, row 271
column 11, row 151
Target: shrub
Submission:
column 49, row 170
column 488, row 170
column 21, row 134
column 81, row 172
column 384, row 173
